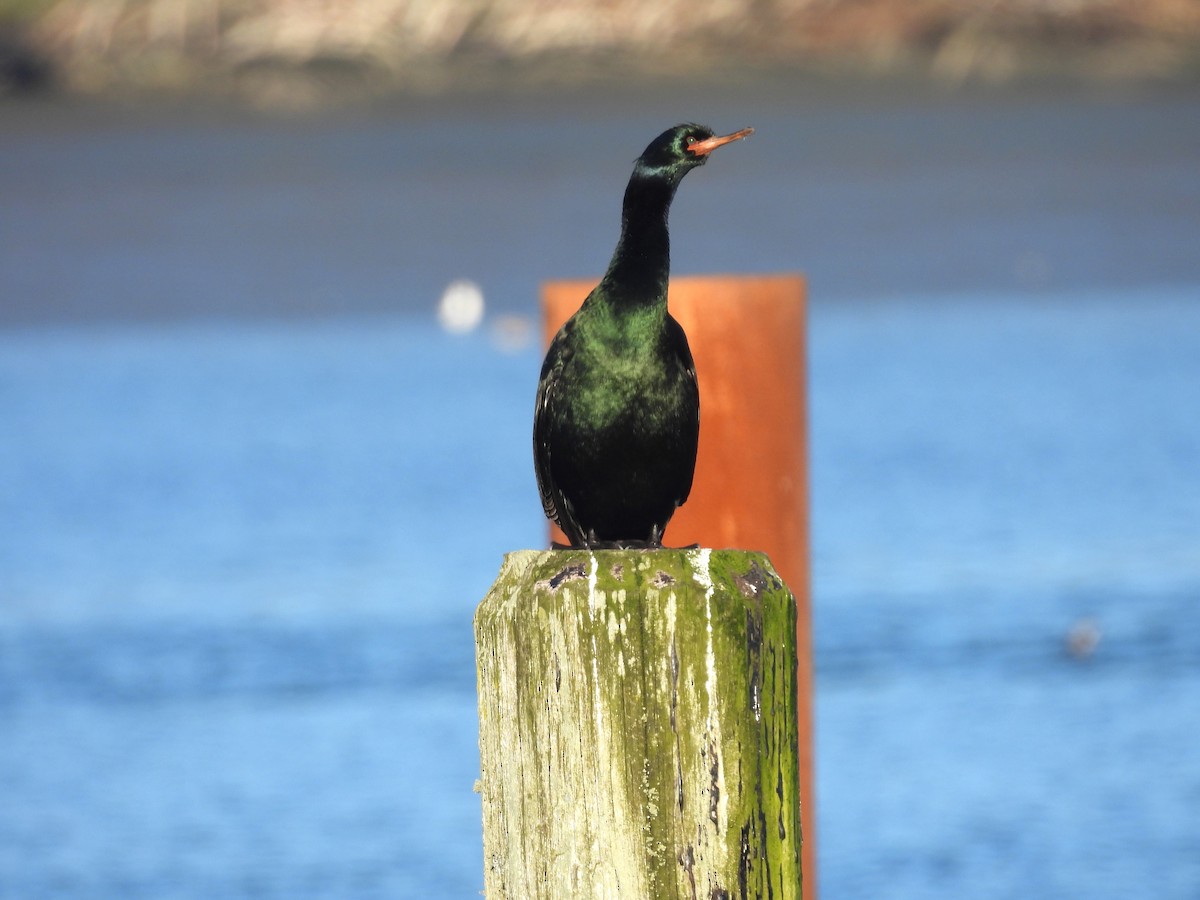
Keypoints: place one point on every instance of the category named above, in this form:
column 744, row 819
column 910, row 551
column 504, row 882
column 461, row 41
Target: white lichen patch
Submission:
column 713, row 719
column 597, row 699
column 700, row 559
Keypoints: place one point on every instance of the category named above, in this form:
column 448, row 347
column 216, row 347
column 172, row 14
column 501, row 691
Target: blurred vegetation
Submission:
column 22, row 10
column 308, row 50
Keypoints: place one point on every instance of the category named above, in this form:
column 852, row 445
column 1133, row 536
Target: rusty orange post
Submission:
column 747, row 334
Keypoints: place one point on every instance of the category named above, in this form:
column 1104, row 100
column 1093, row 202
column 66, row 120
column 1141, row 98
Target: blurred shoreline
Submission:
column 296, row 55
column 304, row 190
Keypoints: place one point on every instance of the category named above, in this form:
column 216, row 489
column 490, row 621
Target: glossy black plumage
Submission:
column 618, row 412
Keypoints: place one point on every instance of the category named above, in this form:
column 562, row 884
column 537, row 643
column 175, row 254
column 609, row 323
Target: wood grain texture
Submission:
column 638, row 726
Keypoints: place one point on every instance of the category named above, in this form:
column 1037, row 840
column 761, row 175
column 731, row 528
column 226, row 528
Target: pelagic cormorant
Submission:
column 618, row 411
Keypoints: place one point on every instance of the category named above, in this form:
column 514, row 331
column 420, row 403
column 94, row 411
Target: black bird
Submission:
column 618, row 410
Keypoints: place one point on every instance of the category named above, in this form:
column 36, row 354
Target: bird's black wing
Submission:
column 550, row 387
column 690, row 427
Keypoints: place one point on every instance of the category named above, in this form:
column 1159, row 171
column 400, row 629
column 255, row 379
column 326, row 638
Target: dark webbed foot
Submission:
column 606, row 545
column 591, row 542
column 651, row 543
column 619, row 545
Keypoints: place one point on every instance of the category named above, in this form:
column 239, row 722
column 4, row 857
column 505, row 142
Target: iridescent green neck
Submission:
column 641, row 265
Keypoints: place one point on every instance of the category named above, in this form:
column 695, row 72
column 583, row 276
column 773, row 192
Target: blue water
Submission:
column 1002, row 471
column 239, row 554
column 238, row 566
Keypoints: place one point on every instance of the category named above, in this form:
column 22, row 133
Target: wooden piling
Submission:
column 747, row 334
column 637, row 727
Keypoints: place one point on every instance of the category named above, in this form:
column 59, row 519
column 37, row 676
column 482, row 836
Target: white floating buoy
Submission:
column 461, row 308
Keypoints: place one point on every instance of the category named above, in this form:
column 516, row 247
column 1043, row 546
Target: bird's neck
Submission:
column 641, row 265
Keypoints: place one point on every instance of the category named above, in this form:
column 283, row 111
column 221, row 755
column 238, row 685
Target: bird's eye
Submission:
column 691, row 139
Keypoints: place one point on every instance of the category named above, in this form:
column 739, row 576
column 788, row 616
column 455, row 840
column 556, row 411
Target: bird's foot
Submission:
column 620, row 545
column 655, row 542
column 591, row 542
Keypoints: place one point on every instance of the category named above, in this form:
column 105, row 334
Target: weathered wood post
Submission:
column 638, row 727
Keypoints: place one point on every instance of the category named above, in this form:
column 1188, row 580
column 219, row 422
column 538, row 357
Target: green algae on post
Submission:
column 638, row 726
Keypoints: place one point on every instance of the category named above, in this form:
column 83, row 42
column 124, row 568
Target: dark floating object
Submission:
column 618, row 410
column 1083, row 639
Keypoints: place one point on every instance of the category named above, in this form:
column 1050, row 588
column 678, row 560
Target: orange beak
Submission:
column 708, row 145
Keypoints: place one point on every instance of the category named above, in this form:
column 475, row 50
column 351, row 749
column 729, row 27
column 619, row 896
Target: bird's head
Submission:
column 678, row 150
